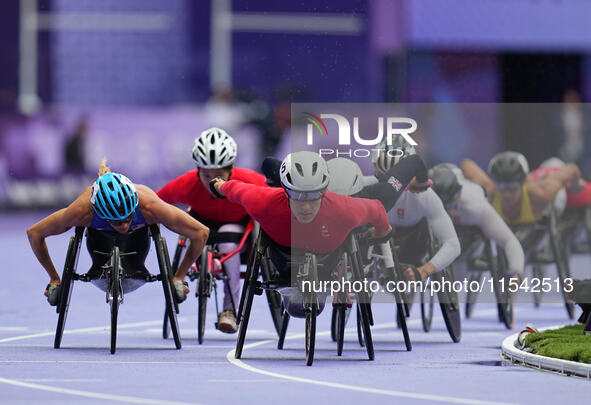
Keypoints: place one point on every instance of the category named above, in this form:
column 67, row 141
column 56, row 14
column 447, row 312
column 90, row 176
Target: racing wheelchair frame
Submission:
column 212, row 273
column 307, row 264
column 114, row 274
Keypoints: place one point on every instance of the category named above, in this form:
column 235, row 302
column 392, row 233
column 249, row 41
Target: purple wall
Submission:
column 499, row 24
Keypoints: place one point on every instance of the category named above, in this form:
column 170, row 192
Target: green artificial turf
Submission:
column 567, row 343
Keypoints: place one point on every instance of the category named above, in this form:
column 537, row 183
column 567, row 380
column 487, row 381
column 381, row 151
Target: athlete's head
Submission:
column 214, row 152
column 304, row 177
column 114, row 198
column 447, row 183
column 508, row 170
column 346, row 177
column 387, row 156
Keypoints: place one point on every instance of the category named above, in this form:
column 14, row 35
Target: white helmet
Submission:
column 386, row 156
column 346, row 177
column 214, row 149
column 304, row 175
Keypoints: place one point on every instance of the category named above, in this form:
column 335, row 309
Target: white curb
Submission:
column 564, row 367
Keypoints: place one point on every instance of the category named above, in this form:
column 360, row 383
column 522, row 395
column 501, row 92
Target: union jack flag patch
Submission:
column 395, row 183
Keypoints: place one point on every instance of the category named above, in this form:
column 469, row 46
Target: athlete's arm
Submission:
column 568, row 176
column 79, row 213
column 443, row 229
column 494, row 228
column 473, row 172
column 393, row 183
column 156, row 211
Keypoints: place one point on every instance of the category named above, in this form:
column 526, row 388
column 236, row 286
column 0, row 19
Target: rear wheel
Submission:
column 66, row 286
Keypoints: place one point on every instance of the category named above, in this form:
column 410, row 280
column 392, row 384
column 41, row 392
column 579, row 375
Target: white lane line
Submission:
column 82, row 330
column 90, row 394
column 400, row 394
column 107, row 362
column 268, row 380
column 13, row 328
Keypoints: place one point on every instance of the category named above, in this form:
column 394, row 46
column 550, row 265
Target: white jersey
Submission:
column 412, row 207
column 474, row 209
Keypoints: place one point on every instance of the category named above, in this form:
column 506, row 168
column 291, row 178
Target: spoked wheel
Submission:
column 472, row 295
column 427, row 301
column 115, row 289
column 66, row 285
column 311, row 314
column 341, row 319
column 562, row 264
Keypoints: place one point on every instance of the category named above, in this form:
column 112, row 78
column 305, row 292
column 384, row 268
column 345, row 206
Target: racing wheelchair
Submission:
column 480, row 256
column 116, row 269
column 405, row 239
column 543, row 243
column 209, row 268
column 305, row 265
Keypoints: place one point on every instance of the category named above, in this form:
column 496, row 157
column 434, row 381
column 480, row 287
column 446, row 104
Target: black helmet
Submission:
column 447, row 182
column 506, row 167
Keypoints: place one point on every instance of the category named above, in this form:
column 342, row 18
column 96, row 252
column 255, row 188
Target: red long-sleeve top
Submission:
column 188, row 189
column 337, row 217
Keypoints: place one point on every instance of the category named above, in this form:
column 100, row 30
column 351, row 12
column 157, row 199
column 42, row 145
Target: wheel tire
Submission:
column 283, row 331
column 165, row 326
column 471, row 296
column 66, row 289
column 311, row 333
column 427, row 304
column 340, row 327
column 203, row 288
column 115, row 281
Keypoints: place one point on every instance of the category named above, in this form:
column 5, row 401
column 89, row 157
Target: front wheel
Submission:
column 115, row 287
column 311, row 333
column 203, row 291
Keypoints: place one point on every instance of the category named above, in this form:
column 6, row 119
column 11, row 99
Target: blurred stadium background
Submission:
column 137, row 80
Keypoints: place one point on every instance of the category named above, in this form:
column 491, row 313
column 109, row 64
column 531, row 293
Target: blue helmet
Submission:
column 113, row 196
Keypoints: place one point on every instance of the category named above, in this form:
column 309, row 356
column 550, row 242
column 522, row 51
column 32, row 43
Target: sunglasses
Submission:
column 123, row 221
column 512, row 185
column 304, row 195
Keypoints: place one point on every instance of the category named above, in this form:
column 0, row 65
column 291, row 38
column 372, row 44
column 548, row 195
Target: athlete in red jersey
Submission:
column 316, row 219
column 304, row 215
column 214, row 153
